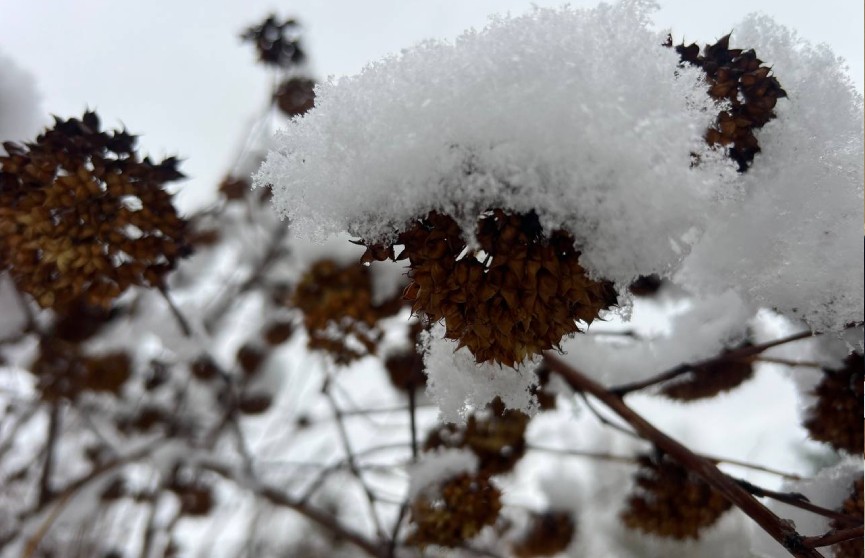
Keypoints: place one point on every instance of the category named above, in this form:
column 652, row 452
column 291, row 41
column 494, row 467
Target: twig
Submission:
column 604, row 420
column 45, row 492
column 799, row 501
column 834, row 536
column 776, row 527
column 178, row 315
column 737, row 354
column 602, row 456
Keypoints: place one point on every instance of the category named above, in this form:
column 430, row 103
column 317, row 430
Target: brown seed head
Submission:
column 670, row 501
column 83, row 218
column 710, row 379
column 547, row 534
column 836, row 418
column 295, row 96
column 515, row 296
column 852, row 506
column 738, row 77
column 462, row 506
column 277, row 43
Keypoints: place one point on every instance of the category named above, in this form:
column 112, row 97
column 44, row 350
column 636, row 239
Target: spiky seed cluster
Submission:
column 455, row 512
column 738, row 77
column 496, row 435
column 836, row 418
column 710, row 379
column 548, row 533
column 81, row 215
column 64, row 371
column 277, row 43
column 337, row 304
column 517, row 294
column 295, row 96
column 670, row 501
column 853, row 506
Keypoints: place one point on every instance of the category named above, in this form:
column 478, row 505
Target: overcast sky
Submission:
column 176, row 72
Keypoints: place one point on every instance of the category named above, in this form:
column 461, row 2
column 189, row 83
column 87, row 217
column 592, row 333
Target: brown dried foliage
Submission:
column 406, row 368
column 836, row 418
column 548, row 533
column 456, row 512
column 83, row 217
column 337, row 303
column 738, row 77
column 670, row 501
column 277, row 43
column 64, row 371
column 515, row 296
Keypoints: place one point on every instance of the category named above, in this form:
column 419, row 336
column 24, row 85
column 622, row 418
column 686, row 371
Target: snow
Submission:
column 20, row 114
column 460, row 386
column 440, row 465
column 793, row 240
column 576, row 114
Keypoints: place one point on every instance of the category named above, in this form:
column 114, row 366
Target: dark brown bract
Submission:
column 83, row 217
column 516, row 294
column 711, row 379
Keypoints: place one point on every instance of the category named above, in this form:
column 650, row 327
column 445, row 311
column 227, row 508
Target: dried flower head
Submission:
column 853, row 507
column 83, row 217
column 277, row 43
column 515, row 295
column 496, row 435
column 338, row 310
column 547, row 534
column 836, row 418
column 64, row 371
column 738, row 77
column 295, row 96
column 670, row 501
column 710, row 379
column 454, row 512
column 195, row 495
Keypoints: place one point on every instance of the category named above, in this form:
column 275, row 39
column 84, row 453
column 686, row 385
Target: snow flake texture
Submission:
column 580, row 115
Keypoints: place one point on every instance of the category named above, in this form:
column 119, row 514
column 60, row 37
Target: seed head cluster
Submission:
column 514, row 295
column 709, row 380
column 548, row 534
column 337, row 305
column 836, row 418
column 82, row 216
column 852, row 506
column 455, row 511
column 496, row 436
column 670, row 501
column 276, row 42
column 739, row 78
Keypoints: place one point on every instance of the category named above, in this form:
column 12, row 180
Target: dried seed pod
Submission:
column 547, row 534
column 852, row 506
column 277, row 43
column 496, row 435
column 233, row 188
column 254, row 403
column 195, row 495
column 83, row 218
column 670, row 501
column 295, row 96
column 338, row 310
column 278, row 332
column 515, row 296
column 455, row 512
column 710, row 379
column 740, row 79
column 646, row 285
column 406, row 369
column 250, row 358
column 836, row 418
column 204, row 368
column 64, row 371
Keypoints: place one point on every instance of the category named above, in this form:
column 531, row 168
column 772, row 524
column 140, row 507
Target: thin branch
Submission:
column 776, row 527
column 45, row 491
column 175, row 311
column 737, row 354
column 834, row 536
column 604, row 420
column 799, row 501
column 599, row 455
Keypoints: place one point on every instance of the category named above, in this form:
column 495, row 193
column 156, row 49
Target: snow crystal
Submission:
column 439, row 465
column 580, row 115
column 793, row 243
column 459, row 385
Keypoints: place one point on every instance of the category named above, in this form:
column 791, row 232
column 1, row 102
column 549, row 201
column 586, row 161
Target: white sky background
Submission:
column 176, row 72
